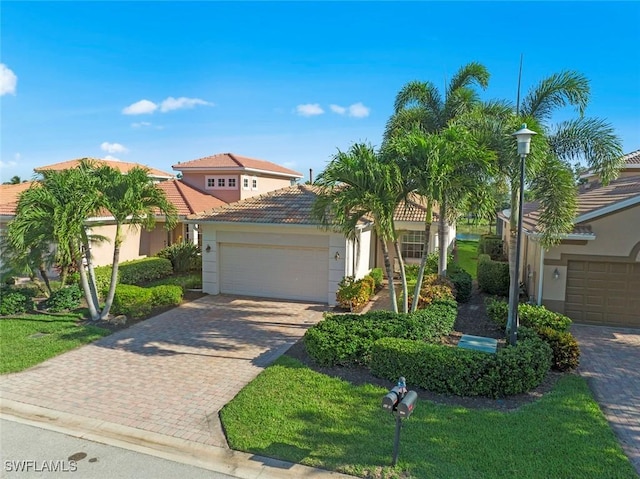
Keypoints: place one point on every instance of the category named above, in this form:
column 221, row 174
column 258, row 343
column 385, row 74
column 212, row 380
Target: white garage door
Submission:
column 285, row 272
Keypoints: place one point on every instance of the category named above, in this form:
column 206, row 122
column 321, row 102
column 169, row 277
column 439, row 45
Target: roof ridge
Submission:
column 233, row 157
column 186, row 201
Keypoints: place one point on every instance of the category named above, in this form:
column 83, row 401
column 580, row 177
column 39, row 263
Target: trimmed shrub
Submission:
column 141, row 271
column 462, row 283
column 371, row 284
column 166, row 295
column 64, row 299
column 183, row 256
column 451, row 370
column 493, row 276
column 491, row 245
column 377, row 275
column 132, row 301
column 566, row 352
column 103, row 279
column 529, row 315
column 14, row 302
column 191, row 281
column 346, row 339
column 433, row 289
column 352, row 294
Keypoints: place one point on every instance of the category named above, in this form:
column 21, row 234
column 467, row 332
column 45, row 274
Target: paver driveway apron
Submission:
column 168, row 373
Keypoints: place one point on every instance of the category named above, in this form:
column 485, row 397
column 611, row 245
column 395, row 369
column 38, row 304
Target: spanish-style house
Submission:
column 593, row 275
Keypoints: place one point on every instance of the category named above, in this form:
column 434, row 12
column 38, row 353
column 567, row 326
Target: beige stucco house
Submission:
column 593, row 275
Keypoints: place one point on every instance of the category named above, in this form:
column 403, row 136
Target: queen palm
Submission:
column 420, row 105
column 356, row 184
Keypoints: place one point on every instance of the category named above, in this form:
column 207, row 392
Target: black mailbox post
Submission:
column 401, row 402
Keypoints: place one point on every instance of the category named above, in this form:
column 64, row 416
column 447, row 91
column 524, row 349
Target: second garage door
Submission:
column 284, row 272
column 603, row 293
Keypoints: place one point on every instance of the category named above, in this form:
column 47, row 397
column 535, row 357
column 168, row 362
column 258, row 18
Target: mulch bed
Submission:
column 472, row 319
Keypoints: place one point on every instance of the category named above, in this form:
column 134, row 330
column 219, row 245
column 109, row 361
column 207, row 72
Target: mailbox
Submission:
column 405, row 408
column 390, row 401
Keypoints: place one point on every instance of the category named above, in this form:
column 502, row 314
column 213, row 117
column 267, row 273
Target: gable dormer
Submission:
column 232, row 177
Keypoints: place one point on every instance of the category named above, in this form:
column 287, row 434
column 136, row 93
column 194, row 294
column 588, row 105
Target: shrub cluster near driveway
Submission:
column 444, row 369
column 136, row 272
column 347, row 339
column 136, row 302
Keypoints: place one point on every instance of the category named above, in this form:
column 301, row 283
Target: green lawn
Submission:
column 27, row 340
column 468, row 256
column 293, row 413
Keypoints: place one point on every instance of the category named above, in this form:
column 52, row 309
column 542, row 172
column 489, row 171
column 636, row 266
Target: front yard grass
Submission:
column 29, row 339
column 295, row 414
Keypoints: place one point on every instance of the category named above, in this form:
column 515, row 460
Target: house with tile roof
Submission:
column 593, row 275
column 270, row 245
column 630, row 167
column 121, row 166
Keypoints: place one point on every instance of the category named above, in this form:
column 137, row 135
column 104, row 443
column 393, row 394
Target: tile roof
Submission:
column 232, row 161
column 632, row 158
column 121, row 166
column 414, row 209
column 187, row 199
column 592, row 198
column 9, row 197
column 290, row 205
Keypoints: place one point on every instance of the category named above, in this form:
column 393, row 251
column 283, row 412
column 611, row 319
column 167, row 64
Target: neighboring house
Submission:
column 8, row 201
column 593, row 275
column 631, row 167
column 122, row 166
column 270, row 245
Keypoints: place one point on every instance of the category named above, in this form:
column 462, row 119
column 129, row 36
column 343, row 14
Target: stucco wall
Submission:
column 265, row 184
column 103, row 252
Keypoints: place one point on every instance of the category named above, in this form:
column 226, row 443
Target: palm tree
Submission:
column 420, row 105
column 132, row 199
column 357, row 184
column 548, row 167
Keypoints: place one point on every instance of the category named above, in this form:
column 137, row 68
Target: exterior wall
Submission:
column 358, row 261
column 103, row 252
column 265, row 184
column 617, row 238
column 213, row 234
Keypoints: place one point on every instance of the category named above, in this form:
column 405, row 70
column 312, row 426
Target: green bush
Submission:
column 64, row 299
column 184, row 256
column 141, row 271
column 433, row 289
column 493, row 276
column 566, row 352
column 103, row 279
column 353, row 294
column 132, row 301
column 346, row 339
column 377, row 275
column 529, row 315
column 451, row 370
column 190, row 281
column 491, row 245
column 14, row 302
column 370, row 283
column 166, row 295
column 462, row 283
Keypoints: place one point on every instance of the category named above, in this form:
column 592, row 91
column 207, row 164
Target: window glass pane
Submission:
column 221, row 182
column 246, row 183
column 255, row 183
column 232, row 182
column 210, row 182
column 412, row 244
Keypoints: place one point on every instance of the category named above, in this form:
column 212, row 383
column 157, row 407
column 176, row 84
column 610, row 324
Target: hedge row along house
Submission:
column 253, row 222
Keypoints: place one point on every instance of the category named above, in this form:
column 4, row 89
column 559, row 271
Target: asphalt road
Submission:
column 29, row 452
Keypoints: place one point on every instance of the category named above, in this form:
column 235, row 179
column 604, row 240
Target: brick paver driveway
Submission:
column 610, row 360
column 169, row 374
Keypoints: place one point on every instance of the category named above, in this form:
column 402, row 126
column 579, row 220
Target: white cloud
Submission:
column 141, row 107
column 8, row 80
column 358, row 110
column 340, row 110
column 181, row 103
column 309, row 109
column 111, row 158
column 8, row 164
column 113, row 147
column 140, row 124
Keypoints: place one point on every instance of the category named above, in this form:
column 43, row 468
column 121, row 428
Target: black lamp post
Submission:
column 523, row 136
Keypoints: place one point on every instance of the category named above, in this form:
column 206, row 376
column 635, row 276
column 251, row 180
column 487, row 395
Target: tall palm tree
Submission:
column 548, row 167
column 356, row 184
column 133, row 200
column 420, row 105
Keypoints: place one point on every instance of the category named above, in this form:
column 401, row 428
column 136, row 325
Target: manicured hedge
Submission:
column 347, row 339
column 136, row 272
column 451, row 370
column 136, row 302
column 64, row 299
column 491, row 245
column 493, row 276
column 15, row 301
column 377, row 275
column 566, row 352
column 462, row 282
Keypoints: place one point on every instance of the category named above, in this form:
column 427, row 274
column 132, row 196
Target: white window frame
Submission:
column 412, row 245
column 245, row 183
column 254, row 183
column 220, row 178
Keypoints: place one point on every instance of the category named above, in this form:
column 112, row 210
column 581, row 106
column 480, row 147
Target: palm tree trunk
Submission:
column 403, row 278
column 91, row 280
column 114, row 274
column 425, row 254
column 84, row 282
column 443, row 230
column 45, row 277
column 387, row 266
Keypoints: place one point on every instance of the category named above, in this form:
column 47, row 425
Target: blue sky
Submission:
column 286, row 82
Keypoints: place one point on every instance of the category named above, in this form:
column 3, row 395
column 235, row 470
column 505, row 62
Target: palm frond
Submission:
column 559, row 90
column 473, row 73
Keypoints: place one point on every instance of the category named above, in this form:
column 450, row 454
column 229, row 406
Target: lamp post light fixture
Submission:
column 523, row 137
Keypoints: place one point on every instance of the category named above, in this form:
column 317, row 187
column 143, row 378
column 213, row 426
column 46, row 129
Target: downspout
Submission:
column 540, row 274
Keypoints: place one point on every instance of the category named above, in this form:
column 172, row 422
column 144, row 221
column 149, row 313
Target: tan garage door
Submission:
column 285, row 272
column 603, row 293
